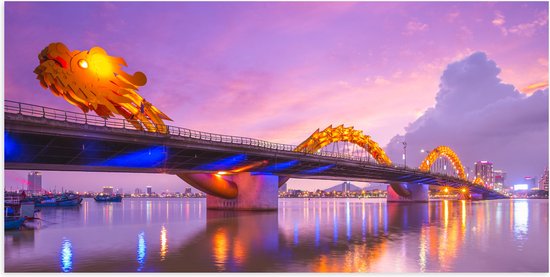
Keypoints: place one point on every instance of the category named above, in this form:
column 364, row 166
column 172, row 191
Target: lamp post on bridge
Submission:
column 404, row 153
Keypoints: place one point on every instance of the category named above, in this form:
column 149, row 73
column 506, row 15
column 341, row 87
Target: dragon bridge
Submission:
column 443, row 151
column 320, row 139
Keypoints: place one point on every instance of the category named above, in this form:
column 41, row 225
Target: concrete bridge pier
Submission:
column 408, row 192
column 241, row 191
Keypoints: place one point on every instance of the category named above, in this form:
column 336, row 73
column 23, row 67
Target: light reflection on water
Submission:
column 318, row 235
column 66, row 256
column 141, row 251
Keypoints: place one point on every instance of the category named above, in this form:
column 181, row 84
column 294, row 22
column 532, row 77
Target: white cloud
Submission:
column 414, row 27
column 526, row 29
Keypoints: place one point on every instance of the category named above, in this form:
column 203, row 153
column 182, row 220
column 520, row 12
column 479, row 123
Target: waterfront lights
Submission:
column 446, row 190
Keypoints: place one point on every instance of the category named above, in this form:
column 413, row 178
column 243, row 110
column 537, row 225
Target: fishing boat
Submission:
column 63, row 200
column 12, row 218
column 68, row 200
column 13, row 222
column 108, row 198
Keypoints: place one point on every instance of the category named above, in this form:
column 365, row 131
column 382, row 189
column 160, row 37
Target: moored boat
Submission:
column 108, row 198
column 68, row 200
column 64, row 200
column 13, row 222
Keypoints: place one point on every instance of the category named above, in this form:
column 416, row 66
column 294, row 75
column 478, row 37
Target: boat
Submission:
column 12, row 218
column 68, row 200
column 108, row 198
column 63, row 200
column 13, row 222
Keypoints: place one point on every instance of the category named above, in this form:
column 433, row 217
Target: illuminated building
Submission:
column 499, row 177
column 484, row 170
column 543, row 182
column 531, row 182
column 149, row 190
column 108, row 190
column 35, row 182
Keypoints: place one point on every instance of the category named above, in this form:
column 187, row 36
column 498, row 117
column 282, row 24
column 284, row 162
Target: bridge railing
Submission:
column 118, row 123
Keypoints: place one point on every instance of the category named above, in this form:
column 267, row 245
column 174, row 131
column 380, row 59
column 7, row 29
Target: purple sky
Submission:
column 278, row 71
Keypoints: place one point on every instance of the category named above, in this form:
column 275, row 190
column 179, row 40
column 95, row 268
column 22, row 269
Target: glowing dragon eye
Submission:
column 83, row 64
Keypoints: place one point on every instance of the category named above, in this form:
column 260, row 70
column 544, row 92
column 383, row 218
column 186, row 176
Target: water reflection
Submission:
column 66, row 256
column 163, row 244
column 521, row 219
column 141, row 251
column 330, row 235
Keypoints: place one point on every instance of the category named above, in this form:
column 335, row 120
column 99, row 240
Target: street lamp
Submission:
column 404, row 153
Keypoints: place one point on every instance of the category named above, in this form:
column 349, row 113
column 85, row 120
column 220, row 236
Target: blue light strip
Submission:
column 317, row 170
column 223, row 164
column 148, row 157
column 280, row 166
column 11, row 148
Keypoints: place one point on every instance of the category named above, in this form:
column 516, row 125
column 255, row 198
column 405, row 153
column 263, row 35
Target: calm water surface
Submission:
column 334, row 235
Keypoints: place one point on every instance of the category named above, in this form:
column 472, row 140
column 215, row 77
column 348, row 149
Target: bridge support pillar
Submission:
column 255, row 192
column 417, row 193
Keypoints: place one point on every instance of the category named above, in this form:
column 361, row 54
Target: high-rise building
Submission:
column 149, row 190
column 499, row 177
column 34, row 182
column 531, row 182
column 187, row 190
column 484, row 170
column 543, row 182
column 138, row 191
column 108, row 190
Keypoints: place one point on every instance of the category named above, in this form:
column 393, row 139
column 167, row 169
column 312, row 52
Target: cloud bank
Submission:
column 481, row 118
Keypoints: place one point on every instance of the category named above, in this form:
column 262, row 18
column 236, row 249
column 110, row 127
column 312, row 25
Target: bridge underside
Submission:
column 41, row 144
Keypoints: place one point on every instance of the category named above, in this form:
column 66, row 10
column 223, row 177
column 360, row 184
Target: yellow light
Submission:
column 222, row 173
column 463, row 190
column 101, row 65
column 446, row 190
column 83, row 64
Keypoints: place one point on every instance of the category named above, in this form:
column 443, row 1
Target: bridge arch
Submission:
column 479, row 181
column 447, row 152
column 320, row 139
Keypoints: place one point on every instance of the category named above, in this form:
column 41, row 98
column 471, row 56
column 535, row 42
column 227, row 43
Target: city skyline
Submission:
column 385, row 68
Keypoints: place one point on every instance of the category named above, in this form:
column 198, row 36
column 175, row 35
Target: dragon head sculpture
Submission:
column 93, row 80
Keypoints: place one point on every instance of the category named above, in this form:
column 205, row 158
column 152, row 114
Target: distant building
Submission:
column 34, row 182
column 543, row 182
column 344, row 187
column 108, row 190
column 119, row 191
column 484, row 170
column 531, row 182
column 188, row 190
column 499, row 177
column 149, row 190
column 137, row 191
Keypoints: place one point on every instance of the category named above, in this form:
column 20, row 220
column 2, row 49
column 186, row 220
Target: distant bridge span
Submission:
column 41, row 138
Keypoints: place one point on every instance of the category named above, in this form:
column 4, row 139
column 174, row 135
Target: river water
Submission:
column 316, row 235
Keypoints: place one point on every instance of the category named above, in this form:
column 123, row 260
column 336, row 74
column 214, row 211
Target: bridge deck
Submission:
column 38, row 138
